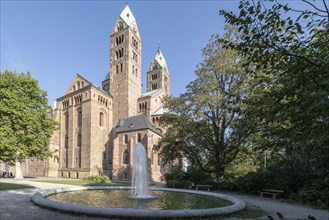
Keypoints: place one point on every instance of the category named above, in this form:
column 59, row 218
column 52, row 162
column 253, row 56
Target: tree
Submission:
column 201, row 121
column 25, row 122
column 289, row 65
column 287, row 59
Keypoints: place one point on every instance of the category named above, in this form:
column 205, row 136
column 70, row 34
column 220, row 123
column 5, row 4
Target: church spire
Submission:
column 125, row 65
column 159, row 59
column 126, row 19
column 127, row 15
column 158, row 74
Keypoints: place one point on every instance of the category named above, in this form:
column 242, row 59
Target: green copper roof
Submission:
column 160, row 111
column 149, row 93
column 107, row 76
column 159, row 58
column 127, row 15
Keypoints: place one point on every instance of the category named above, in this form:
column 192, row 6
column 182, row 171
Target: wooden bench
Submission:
column 208, row 187
column 273, row 192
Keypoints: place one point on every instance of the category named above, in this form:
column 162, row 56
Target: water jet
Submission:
column 143, row 206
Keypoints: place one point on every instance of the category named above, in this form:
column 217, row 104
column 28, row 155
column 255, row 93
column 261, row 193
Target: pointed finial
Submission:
column 126, row 3
column 158, row 44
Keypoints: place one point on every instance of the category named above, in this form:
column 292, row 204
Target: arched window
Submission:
column 79, row 160
column 152, row 157
column 120, row 26
column 125, row 157
column 117, row 54
column 121, row 52
column 126, row 139
column 79, row 140
column 121, row 67
column 67, row 121
column 139, row 137
column 117, row 41
column 159, row 160
column 117, row 69
column 66, row 160
column 66, row 144
column 101, row 119
column 122, row 38
column 80, row 119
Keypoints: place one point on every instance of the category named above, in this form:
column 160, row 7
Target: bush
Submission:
column 197, row 176
column 255, row 181
column 317, row 193
column 97, row 179
column 228, row 185
column 175, row 173
column 184, row 184
column 177, row 178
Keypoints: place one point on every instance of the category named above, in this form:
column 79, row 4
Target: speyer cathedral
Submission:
column 100, row 127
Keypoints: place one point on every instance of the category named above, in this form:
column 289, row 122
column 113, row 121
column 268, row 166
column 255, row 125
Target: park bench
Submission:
column 208, row 187
column 273, row 192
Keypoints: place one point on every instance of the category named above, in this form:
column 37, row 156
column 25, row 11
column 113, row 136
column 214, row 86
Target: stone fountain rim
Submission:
column 40, row 199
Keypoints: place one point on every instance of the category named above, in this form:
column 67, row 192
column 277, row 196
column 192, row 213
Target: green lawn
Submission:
column 9, row 186
column 78, row 182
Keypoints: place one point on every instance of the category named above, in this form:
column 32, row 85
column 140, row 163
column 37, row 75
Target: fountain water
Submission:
column 139, row 186
column 165, row 205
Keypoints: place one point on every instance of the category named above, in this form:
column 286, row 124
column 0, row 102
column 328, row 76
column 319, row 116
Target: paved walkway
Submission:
column 17, row 205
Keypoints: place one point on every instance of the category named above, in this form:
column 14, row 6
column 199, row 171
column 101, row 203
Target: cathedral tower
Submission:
column 125, row 66
column 158, row 74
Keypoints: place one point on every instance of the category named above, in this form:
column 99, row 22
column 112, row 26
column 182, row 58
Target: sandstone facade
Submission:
column 100, row 127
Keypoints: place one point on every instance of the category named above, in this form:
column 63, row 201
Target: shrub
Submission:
column 228, row 185
column 184, row 184
column 198, row 176
column 97, row 179
column 255, row 181
column 175, row 173
column 316, row 193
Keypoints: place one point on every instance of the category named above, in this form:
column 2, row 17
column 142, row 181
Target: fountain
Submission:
column 139, row 185
column 168, row 203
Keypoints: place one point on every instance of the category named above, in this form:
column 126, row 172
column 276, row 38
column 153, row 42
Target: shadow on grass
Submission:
column 78, row 182
column 11, row 186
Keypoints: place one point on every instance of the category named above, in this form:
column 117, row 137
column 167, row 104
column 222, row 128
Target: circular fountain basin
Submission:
column 40, row 199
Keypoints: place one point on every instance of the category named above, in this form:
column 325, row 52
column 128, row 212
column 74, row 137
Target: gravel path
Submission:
column 17, row 205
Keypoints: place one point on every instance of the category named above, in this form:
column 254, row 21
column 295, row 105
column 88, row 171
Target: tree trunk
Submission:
column 18, row 174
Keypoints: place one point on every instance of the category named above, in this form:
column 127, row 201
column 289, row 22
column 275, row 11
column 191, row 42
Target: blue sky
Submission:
column 54, row 40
